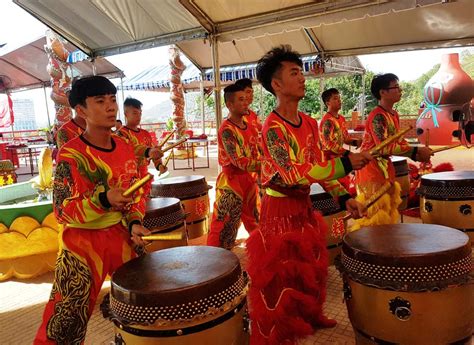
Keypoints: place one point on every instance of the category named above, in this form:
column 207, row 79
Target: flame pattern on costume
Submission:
column 68, row 131
column 95, row 240
column 236, row 187
column 381, row 124
column 73, row 283
column 333, row 135
column 287, row 256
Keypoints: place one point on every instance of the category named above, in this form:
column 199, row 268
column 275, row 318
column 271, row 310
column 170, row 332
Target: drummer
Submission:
column 383, row 122
column 132, row 109
column 101, row 226
column 236, row 187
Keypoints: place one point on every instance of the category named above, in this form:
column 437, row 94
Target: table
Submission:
column 35, row 148
column 190, row 147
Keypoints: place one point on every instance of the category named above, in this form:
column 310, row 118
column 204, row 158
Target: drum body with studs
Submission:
column 165, row 217
column 193, row 193
column 408, row 284
column 180, row 296
column 447, row 198
column 330, row 210
column 402, row 177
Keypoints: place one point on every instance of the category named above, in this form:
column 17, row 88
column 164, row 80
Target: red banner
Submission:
column 6, row 111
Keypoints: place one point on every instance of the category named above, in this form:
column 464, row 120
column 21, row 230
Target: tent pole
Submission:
column 203, row 115
column 217, row 81
column 322, row 85
column 46, row 101
column 123, row 97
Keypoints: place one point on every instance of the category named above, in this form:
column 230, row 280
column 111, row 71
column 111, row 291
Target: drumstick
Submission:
column 338, row 223
column 167, row 160
column 376, row 149
column 427, row 138
column 134, row 187
column 168, row 136
column 171, row 236
column 445, row 148
column 179, row 142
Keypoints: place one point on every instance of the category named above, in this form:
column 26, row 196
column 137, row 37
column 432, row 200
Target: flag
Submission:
column 6, row 111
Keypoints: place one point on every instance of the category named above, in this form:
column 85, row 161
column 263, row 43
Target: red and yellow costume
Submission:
column 67, row 132
column 142, row 138
column 380, row 125
column 287, row 256
column 236, row 188
column 254, row 120
column 95, row 240
column 333, row 135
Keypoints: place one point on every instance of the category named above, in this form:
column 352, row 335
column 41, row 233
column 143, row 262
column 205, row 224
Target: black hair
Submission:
column 327, row 94
column 270, row 64
column 89, row 87
column 132, row 102
column 245, row 82
column 230, row 90
column 119, row 121
column 380, row 82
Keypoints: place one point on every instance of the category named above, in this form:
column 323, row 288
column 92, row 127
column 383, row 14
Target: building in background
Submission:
column 24, row 111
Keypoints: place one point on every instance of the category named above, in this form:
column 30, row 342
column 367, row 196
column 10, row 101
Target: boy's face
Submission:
column 100, row 111
column 249, row 94
column 133, row 115
column 334, row 103
column 289, row 81
column 393, row 93
column 238, row 104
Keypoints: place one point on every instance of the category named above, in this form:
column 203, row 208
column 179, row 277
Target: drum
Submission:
column 402, row 177
column 408, row 284
column 184, row 295
column 447, row 198
column 165, row 216
column 330, row 210
column 194, row 196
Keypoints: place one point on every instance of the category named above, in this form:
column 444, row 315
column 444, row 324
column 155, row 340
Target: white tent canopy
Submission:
column 246, row 29
column 25, row 67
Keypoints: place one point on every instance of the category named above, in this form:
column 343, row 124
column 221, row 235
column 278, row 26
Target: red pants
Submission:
column 85, row 259
column 235, row 203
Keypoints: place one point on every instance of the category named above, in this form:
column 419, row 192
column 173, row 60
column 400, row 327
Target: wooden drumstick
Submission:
column 433, row 151
column 376, row 150
column 427, row 138
column 179, row 142
column 338, row 223
column 170, row 236
column 137, row 185
column 168, row 136
column 167, row 160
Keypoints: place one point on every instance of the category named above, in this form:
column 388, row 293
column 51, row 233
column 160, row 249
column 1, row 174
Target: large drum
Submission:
column 402, row 177
column 408, row 284
column 184, row 295
column 329, row 208
column 447, row 198
column 193, row 193
column 166, row 217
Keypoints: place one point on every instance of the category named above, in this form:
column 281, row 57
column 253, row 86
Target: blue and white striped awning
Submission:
column 157, row 78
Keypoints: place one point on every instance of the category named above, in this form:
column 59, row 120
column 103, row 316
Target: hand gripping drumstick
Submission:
column 376, row 150
column 338, row 223
column 137, row 185
column 179, row 142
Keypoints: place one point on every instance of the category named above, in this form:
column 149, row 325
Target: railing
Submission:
column 23, row 135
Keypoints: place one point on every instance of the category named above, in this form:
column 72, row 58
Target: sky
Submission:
column 407, row 65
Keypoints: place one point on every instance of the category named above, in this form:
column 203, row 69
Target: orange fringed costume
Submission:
column 236, row 187
column 380, row 125
column 95, row 240
column 287, row 256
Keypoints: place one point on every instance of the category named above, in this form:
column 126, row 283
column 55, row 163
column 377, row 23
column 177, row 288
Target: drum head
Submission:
column 180, row 186
column 448, row 185
column 175, row 276
column 162, row 212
